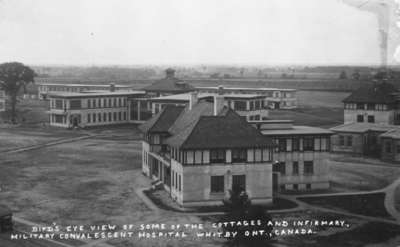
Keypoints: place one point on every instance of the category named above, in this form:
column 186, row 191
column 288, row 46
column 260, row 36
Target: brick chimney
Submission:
column 218, row 104
column 193, row 100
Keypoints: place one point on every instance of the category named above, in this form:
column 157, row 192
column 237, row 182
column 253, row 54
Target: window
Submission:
column 370, row 106
column 105, row 117
column 179, row 183
column 88, row 118
column 295, row 168
column 295, row 144
column 341, row 140
column 360, row 106
column 124, row 115
column 295, row 187
column 109, row 103
column 89, row 103
column 388, row 147
column 349, row 141
column 75, row 104
column 109, row 117
column 119, row 116
column 115, row 116
column 59, row 104
column 308, row 167
column 398, row 148
column 360, row 118
column 104, row 102
column 239, row 182
column 217, row 184
column 282, row 145
column 308, row 186
column 217, row 156
column 59, row 119
column 99, row 117
column 94, row 117
column 94, row 103
column 119, row 102
column 239, row 155
column 240, row 105
column 308, row 144
column 371, row 119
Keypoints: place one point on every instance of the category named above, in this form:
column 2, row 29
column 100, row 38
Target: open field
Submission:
column 351, row 176
column 91, row 181
column 12, row 138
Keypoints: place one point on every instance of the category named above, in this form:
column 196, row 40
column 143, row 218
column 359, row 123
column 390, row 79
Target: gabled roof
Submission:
column 227, row 130
column 382, row 93
column 170, row 85
column 163, row 120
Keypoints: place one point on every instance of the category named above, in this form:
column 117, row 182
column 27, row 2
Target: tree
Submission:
column 343, row 75
column 239, row 208
column 356, row 75
column 15, row 76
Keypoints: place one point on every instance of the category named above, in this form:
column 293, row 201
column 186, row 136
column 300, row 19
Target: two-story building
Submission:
column 275, row 98
column 300, row 157
column 45, row 89
column 202, row 150
column 371, row 123
column 250, row 106
column 90, row 109
column 376, row 103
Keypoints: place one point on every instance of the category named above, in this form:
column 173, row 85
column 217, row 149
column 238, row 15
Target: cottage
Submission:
column 200, row 151
column 375, row 103
column 300, row 157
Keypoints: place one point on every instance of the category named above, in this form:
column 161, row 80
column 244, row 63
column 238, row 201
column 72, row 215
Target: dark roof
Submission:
column 169, row 84
column 4, row 211
column 227, row 130
column 163, row 120
column 382, row 93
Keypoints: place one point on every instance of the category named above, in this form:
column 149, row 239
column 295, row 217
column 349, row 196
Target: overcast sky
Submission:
column 118, row 32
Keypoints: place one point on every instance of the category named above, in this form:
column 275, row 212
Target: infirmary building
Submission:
column 371, row 123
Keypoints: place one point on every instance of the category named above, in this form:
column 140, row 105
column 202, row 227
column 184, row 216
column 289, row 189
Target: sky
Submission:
column 133, row 32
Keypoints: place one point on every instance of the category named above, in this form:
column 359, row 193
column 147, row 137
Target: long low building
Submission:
column 251, row 106
column 70, row 110
column 367, row 139
column 275, row 98
column 44, row 89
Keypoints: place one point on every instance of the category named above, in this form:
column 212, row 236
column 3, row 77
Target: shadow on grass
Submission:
column 163, row 201
column 367, row 204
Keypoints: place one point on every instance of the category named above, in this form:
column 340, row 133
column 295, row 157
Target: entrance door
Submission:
column 239, row 182
column 276, row 105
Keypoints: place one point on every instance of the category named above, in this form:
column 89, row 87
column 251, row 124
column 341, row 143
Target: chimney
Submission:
column 170, row 73
column 218, row 104
column 112, row 87
column 220, row 90
column 193, row 99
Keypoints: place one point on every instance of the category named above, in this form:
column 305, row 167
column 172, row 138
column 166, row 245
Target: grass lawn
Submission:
column 351, row 176
column 367, row 204
column 321, row 98
column 163, row 200
column 17, row 137
column 90, row 181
